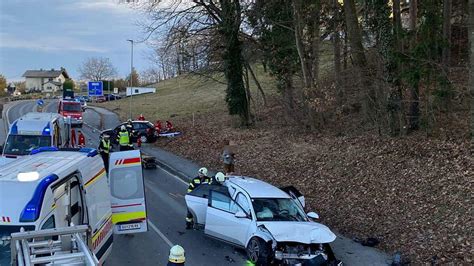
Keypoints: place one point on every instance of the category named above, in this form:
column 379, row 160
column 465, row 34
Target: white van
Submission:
column 57, row 188
column 34, row 130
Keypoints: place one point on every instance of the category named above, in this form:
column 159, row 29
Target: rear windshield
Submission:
column 72, row 107
column 24, row 144
column 5, row 232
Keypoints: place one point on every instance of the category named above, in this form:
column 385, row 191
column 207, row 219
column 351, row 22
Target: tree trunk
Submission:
column 354, row 34
column 471, row 68
column 305, row 68
column 414, row 111
column 397, row 21
column 259, row 86
column 315, row 36
column 229, row 28
column 395, row 95
column 368, row 95
column 337, row 51
column 413, row 15
column 446, row 55
column 178, row 61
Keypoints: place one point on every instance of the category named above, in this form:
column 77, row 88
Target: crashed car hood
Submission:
column 302, row 232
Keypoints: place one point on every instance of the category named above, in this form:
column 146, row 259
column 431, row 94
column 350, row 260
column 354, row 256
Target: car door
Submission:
column 221, row 220
column 127, row 192
column 197, row 201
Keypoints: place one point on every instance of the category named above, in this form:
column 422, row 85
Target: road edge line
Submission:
column 155, row 228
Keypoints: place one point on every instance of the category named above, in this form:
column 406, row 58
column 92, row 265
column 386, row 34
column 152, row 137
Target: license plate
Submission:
column 124, row 227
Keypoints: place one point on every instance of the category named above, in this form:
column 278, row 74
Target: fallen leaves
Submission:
column 414, row 194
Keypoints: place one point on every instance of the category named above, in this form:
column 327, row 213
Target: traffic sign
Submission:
column 96, row 88
column 40, row 102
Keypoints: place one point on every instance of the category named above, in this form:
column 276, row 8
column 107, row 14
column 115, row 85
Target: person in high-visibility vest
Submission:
column 124, row 140
column 176, row 257
column 202, row 178
column 104, row 149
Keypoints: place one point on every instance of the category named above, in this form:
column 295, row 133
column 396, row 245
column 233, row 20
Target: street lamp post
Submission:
column 131, row 79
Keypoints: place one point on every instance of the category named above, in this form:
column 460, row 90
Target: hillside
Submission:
column 412, row 193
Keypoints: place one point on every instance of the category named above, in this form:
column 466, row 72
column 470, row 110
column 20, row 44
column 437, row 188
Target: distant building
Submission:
column 45, row 80
column 139, row 90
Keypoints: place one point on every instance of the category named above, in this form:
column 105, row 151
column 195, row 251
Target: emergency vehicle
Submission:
column 55, row 192
column 34, row 130
column 71, row 109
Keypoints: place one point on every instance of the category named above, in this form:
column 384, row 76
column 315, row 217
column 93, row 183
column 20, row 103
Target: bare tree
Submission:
column 97, row 68
column 150, row 76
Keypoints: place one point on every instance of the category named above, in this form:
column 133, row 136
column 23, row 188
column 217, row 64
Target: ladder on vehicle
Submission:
column 58, row 246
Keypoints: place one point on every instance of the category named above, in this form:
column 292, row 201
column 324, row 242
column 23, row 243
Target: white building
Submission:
column 45, row 80
column 139, row 90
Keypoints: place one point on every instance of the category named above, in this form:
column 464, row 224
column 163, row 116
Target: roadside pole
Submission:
column 131, row 80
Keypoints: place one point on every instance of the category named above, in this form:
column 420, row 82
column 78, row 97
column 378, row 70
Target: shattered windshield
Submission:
column 5, row 232
column 273, row 209
column 24, row 144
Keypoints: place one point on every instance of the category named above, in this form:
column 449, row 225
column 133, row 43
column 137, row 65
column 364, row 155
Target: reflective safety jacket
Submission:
column 196, row 182
column 124, row 138
column 104, row 146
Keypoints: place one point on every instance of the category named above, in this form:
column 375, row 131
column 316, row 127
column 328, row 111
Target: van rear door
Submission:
column 128, row 192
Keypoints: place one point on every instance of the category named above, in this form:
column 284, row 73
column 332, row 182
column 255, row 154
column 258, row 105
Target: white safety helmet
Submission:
column 177, row 254
column 202, row 171
column 123, row 127
column 220, row 177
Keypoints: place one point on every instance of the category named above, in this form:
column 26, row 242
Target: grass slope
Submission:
column 181, row 97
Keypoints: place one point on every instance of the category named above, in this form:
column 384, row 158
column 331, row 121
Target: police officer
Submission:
column 104, row 149
column 176, row 257
column 124, row 139
column 202, row 178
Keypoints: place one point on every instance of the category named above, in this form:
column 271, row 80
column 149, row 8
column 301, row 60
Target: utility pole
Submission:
column 131, row 80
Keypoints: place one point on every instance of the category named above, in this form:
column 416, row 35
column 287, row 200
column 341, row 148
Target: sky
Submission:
column 47, row 34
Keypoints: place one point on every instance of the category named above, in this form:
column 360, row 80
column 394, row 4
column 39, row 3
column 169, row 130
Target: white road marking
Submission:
column 170, row 244
column 175, row 176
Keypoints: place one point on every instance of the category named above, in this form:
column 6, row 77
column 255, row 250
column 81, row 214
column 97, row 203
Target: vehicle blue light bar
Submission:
column 14, row 129
column 43, row 149
column 47, row 130
column 32, row 210
column 90, row 151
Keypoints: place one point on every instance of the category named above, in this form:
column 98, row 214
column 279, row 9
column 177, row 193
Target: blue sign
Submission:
column 96, row 88
column 40, row 102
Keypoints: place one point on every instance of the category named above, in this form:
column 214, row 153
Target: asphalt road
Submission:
column 166, row 210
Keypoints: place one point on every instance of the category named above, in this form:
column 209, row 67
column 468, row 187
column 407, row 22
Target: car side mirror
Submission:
column 313, row 215
column 240, row 214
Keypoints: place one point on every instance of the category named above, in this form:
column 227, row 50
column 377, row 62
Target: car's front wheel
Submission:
column 258, row 251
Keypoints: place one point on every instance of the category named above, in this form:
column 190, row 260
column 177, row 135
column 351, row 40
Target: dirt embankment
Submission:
column 413, row 193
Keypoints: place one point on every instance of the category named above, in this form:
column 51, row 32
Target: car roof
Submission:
column 34, row 122
column 257, row 188
column 70, row 101
column 44, row 163
column 135, row 121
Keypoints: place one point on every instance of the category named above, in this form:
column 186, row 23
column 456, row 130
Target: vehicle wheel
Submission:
column 144, row 139
column 258, row 251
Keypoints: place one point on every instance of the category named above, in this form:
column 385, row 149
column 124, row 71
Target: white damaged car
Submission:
column 268, row 222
